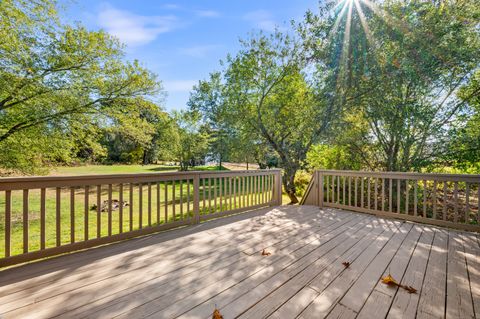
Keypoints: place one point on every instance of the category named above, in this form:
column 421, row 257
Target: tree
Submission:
column 266, row 95
column 190, row 146
column 403, row 73
column 53, row 76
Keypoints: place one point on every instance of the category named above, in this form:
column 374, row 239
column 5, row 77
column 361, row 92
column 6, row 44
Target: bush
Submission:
column 302, row 178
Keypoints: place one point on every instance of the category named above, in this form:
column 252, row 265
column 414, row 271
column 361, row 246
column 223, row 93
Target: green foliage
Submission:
column 58, row 80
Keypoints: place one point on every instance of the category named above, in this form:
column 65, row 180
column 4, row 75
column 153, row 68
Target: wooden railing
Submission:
column 45, row 216
column 450, row 200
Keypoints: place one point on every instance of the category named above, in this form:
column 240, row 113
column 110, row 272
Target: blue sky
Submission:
column 183, row 41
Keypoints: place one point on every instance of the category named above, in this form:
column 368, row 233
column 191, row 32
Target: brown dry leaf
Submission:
column 266, row 253
column 346, row 264
column 410, row 289
column 388, row 280
column 217, row 314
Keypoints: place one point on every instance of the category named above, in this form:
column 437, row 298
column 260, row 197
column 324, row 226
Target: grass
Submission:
column 121, row 169
column 162, row 207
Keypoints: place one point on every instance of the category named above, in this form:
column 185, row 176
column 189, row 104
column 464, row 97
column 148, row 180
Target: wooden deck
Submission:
column 187, row 272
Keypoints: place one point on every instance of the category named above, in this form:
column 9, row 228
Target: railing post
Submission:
column 277, row 189
column 196, row 199
column 320, row 189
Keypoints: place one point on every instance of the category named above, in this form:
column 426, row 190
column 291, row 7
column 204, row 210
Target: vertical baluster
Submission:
column 149, row 203
column 140, row 205
column 383, row 194
column 215, row 194
column 230, row 193
column 333, row 189
column 327, row 190
column 455, row 196
column 165, row 195
column 181, row 198
column 109, row 209
column 72, row 214
column 338, row 189
column 390, row 194
column 399, row 184
column 130, row 207
column 263, row 189
column 174, row 199
column 243, row 190
column 234, row 192
column 415, row 198
column 444, row 208
column 361, row 192
column 158, row 203
column 356, row 191
column 25, row 221
column 368, row 192
column 8, row 221
column 188, row 197
column 467, row 202
column 220, row 193
column 209, row 195
column 120, row 208
column 99, row 210
column 42, row 216
column 58, row 216
column 349, row 191
column 424, row 198
column 478, row 204
column 343, row 191
column 204, row 195
column 407, row 196
column 434, row 199
column 375, row 193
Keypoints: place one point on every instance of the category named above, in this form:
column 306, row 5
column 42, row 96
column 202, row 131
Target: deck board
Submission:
column 187, row 272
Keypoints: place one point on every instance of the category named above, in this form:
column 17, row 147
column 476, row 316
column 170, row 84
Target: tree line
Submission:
column 392, row 86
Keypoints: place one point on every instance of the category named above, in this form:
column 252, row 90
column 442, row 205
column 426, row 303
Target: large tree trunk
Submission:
column 289, row 184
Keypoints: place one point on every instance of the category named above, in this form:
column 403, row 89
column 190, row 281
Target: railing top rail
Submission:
column 26, row 182
column 406, row 175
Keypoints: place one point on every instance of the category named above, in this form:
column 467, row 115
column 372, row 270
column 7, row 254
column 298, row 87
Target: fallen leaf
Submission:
column 346, row 264
column 388, row 280
column 217, row 314
column 266, row 253
column 410, row 289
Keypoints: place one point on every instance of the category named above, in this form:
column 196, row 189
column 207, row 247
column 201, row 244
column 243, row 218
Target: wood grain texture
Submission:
column 158, row 276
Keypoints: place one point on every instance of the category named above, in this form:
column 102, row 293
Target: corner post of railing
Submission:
column 196, row 198
column 319, row 189
column 277, row 188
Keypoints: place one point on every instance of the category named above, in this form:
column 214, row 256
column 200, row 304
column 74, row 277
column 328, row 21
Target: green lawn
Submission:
column 162, row 207
column 121, row 169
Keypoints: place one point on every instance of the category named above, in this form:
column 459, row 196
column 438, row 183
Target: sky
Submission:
column 183, row 41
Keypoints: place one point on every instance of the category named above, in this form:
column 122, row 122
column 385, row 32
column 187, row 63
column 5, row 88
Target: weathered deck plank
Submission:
column 186, row 272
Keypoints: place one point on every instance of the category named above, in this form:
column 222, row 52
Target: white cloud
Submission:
column 179, row 85
column 261, row 19
column 208, row 13
column 200, row 51
column 133, row 29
